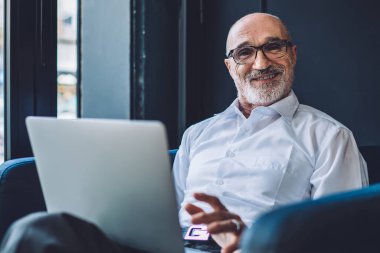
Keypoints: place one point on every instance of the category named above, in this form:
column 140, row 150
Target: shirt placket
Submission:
column 243, row 129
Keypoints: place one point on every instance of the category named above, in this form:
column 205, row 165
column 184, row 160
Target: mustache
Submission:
column 256, row 73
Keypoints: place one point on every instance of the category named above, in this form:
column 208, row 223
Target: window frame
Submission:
column 30, row 74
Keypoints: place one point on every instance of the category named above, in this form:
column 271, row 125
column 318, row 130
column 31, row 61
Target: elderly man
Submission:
column 263, row 151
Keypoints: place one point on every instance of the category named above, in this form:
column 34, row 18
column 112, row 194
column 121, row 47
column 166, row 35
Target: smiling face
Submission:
column 261, row 81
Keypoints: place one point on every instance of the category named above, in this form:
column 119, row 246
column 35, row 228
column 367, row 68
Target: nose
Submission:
column 261, row 61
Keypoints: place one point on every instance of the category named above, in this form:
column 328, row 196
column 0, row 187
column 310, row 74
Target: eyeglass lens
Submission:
column 272, row 50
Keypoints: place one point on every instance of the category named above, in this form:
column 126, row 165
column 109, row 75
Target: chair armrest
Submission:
column 172, row 154
column 20, row 191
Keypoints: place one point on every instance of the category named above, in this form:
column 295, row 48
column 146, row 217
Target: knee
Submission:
column 38, row 220
column 30, row 229
column 29, row 220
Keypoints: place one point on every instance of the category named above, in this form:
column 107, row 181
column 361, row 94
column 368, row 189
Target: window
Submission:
column 67, row 58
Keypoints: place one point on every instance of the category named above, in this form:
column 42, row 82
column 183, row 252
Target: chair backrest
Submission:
column 20, row 191
column 371, row 155
column 172, row 154
column 346, row 222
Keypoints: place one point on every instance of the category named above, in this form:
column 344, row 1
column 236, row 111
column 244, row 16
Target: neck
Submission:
column 246, row 108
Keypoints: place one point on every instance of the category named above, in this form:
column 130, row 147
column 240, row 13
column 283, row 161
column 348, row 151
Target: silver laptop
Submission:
column 114, row 173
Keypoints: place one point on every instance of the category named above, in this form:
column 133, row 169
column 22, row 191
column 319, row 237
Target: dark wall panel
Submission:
column 155, row 63
column 161, row 24
column 210, row 89
column 338, row 59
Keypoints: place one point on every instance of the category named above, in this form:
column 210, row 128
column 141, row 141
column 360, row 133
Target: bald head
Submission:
column 255, row 24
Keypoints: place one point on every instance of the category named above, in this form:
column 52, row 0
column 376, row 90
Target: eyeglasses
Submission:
column 271, row 50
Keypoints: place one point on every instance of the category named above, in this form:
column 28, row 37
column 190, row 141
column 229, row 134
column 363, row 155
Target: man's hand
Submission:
column 224, row 226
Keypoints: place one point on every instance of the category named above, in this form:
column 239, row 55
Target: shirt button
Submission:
column 230, row 154
column 219, row 182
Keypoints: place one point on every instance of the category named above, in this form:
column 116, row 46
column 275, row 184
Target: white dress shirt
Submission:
column 281, row 154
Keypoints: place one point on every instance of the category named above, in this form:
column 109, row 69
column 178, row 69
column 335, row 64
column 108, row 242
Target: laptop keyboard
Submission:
column 194, row 246
column 203, row 247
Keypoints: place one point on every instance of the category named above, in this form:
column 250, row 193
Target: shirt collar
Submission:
column 286, row 107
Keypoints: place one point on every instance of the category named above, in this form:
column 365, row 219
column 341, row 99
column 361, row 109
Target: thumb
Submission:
column 231, row 247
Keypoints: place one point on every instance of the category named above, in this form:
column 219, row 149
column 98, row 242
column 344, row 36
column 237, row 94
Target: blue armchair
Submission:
column 346, row 222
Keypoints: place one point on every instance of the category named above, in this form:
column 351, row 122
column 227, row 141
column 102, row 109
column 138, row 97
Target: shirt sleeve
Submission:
column 181, row 168
column 339, row 165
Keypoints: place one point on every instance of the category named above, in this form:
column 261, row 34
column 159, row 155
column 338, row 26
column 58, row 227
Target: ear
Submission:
column 227, row 62
column 294, row 54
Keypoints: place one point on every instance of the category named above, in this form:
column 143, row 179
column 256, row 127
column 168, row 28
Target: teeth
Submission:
column 266, row 77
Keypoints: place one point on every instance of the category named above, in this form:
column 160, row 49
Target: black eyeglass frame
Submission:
column 286, row 43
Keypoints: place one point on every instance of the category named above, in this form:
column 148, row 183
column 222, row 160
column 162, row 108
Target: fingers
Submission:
column 226, row 226
column 193, row 209
column 221, row 214
column 213, row 201
column 207, row 218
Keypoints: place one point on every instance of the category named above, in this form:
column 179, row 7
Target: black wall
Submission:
column 338, row 58
column 154, row 74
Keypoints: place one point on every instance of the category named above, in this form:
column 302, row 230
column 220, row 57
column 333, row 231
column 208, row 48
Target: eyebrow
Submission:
column 267, row 39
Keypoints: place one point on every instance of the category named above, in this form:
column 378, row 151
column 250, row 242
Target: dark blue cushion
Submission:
column 20, row 191
column 172, row 154
column 346, row 222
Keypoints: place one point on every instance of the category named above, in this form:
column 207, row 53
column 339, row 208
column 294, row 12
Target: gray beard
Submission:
column 266, row 94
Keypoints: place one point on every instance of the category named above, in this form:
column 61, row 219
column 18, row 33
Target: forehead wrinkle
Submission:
column 266, row 40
